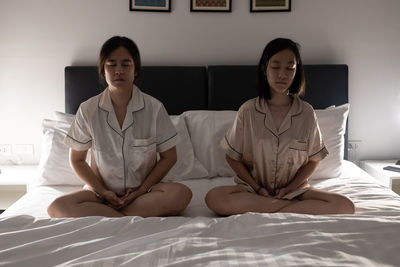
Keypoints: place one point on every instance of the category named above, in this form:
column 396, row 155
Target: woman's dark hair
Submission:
column 272, row 48
column 113, row 43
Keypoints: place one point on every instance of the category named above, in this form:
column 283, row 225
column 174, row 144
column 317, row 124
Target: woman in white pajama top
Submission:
column 275, row 144
column 124, row 129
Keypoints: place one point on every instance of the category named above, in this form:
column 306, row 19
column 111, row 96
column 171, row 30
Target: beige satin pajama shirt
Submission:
column 273, row 156
column 124, row 156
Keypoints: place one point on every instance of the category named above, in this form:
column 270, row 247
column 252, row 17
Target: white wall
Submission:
column 39, row 38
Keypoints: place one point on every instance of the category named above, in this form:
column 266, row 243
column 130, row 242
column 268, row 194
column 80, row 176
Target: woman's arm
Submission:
column 241, row 171
column 301, row 177
column 167, row 160
column 87, row 174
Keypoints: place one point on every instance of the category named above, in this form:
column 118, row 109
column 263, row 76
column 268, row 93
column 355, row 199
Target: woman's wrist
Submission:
column 101, row 191
column 143, row 189
column 258, row 189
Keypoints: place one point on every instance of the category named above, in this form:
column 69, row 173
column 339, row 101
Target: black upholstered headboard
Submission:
column 213, row 87
column 229, row 86
column 178, row 88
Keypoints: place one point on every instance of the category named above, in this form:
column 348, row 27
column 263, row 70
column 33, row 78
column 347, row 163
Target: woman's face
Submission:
column 119, row 68
column 281, row 69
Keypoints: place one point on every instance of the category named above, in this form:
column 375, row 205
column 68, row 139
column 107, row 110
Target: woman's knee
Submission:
column 212, row 197
column 58, row 208
column 216, row 200
column 336, row 203
column 52, row 209
column 340, row 204
column 345, row 205
column 179, row 196
column 64, row 205
column 184, row 194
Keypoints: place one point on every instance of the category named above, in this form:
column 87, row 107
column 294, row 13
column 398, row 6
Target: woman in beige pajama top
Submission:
column 275, row 144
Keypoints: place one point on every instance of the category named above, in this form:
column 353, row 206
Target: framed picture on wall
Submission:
column 269, row 5
column 210, row 5
column 150, row 5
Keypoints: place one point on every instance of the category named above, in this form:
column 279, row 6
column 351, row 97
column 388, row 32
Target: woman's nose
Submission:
column 282, row 74
column 119, row 70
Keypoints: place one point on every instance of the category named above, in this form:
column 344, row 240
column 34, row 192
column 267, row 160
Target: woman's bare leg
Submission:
column 230, row 200
column 80, row 204
column 165, row 199
column 316, row 201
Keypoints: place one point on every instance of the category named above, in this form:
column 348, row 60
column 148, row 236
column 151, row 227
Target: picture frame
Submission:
column 150, row 5
column 210, row 5
column 270, row 5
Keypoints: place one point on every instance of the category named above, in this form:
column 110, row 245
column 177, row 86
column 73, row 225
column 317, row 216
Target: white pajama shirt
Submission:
column 124, row 156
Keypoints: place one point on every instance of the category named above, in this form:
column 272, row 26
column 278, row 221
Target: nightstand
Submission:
column 390, row 179
column 14, row 183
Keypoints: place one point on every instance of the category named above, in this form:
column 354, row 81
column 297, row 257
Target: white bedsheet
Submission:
column 244, row 240
column 367, row 194
column 198, row 238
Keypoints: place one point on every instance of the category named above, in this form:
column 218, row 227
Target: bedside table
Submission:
column 14, row 183
column 390, row 179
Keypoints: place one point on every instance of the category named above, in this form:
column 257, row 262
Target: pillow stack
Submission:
column 199, row 152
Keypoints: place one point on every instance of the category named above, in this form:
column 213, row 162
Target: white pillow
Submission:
column 54, row 167
column 65, row 117
column 332, row 123
column 206, row 130
column 186, row 167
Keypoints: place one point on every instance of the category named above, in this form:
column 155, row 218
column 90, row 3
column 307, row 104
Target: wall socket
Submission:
column 16, row 154
column 5, row 149
column 354, row 144
column 23, row 149
column 18, row 149
column 353, row 148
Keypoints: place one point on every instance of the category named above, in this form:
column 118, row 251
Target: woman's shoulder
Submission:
column 92, row 103
column 150, row 99
column 248, row 105
column 307, row 112
column 150, row 102
column 306, row 107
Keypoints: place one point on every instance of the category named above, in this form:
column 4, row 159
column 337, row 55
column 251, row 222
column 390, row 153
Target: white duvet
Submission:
column 242, row 240
column 199, row 238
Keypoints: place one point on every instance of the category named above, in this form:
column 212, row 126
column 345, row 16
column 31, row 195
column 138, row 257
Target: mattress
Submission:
column 200, row 238
column 366, row 193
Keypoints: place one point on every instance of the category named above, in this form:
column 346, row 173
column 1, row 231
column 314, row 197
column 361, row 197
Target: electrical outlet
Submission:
column 23, row 149
column 5, row 149
column 353, row 149
column 354, row 144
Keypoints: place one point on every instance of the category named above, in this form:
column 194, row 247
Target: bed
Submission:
column 202, row 101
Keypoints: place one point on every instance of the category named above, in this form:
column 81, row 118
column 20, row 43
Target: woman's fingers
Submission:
column 263, row 192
